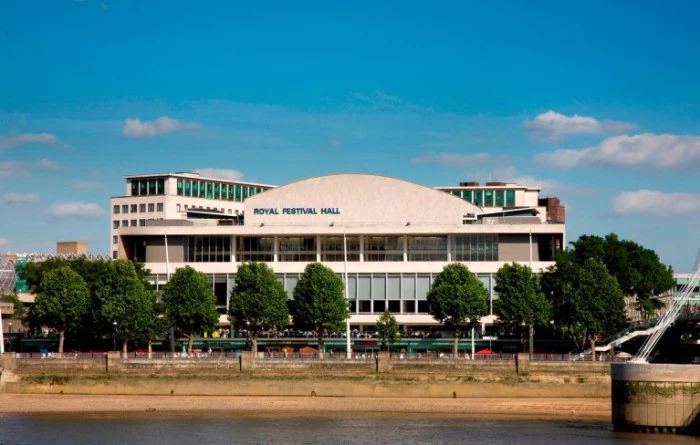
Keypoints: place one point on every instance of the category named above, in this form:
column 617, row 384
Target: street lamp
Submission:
column 9, row 348
column 247, row 335
column 115, row 335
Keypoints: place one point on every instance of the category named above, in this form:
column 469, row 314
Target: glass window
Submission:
column 115, row 255
column 478, row 198
column 115, row 239
column 231, row 192
column 409, row 307
column 115, row 224
column 133, row 223
column 510, row 198
column 134, row 209
column 423, row 307
column 297, row 249
column 188, row 187
column 394, row 306
column 457, row 193
column 383, row 248
column 208, row 249
column 467, row 195
column 252, row 191
column 427, row 248
column 408, row 287
column 224, row 191
column 259, row 190
column 143, row 190
column 332, row 248
column 239, row 195
column 378, row 288
column 195, row 188
column 483, row 247
column 160, row 183
column 245, row 192
column 180, row 191
column 217, row 191
column 151, row 207
column 142, row 222
column 393, row 287
column 488, row 198
column 422, row 287
column 115, row 209
column 379, row 306
column 290, row 283
column 364, row 288
column 134, row 187
column 142, row 208
column 125, row 223
column 210, row 190
column 159, row 207
column 152, row 186
column 500, row 198
column 352, row 287
column 202, row 189
column 125, row 208
column 252, row 248
column 365, row 307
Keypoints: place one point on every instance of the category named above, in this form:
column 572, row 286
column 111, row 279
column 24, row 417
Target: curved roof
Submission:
column 356, row 199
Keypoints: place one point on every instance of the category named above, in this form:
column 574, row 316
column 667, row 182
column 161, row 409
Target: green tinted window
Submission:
column 210, row 190
column 134, row 188
column 510, row 198
column 152, row 186
column 245, row 192
column 488, row 198
column 479, row 198
column 179, row 187
column 259, row 190
column 231, row 192
column 467, row 195
column 160, row 184
column 457, row 193
column 143, row 187
column 202, row 189
column 217, row 191
column 239, row 197
column 500, row 198
column 188, row 187
column 224, row 191
column 195, row 188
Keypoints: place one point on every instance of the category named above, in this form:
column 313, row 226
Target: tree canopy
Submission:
column 258, row 301
column 521, row 303
column 638, row 270
column 387, row 329
column 457, row 297
column 63, row 300
column 319, row 302
column 189, row 303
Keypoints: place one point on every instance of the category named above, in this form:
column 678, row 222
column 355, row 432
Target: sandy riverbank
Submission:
column 589, row 409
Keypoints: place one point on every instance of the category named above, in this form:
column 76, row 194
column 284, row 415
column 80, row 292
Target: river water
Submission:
column 166, row 429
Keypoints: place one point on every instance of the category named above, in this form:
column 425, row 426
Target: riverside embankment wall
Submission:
column 440, row 378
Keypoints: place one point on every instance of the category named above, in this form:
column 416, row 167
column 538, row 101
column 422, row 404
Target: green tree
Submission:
column 126, row 306
column 319, row 302
column 638, row 270
column 189, row 303
column 521, row 304
column 258, row 301
column 62, row 301
column 457, row 298
column 387, row 329
column 592, row 305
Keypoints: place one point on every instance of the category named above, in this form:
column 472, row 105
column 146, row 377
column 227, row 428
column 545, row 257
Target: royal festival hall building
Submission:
column 399, row 234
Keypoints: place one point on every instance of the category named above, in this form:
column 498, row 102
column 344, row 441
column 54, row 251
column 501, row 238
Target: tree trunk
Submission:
column 61, row 338
column 320, row 343
column 255, row 344
column 531, row 340
column 190, row 340
column 455, row 346
column 593, row 348
column 124, row 347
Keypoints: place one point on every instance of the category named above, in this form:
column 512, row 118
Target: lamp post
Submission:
column 9, row 346
column 247, row 335
column 114, row 348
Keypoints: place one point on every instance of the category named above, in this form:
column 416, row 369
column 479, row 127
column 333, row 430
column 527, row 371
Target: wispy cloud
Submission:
column 67, row 210
column 16, row 198
column 552, row 126
column 12, row 168
column 137, row 129
column 47, row 164
column 26, row 138
column 648, row 151
column 88, row 185
column 384, row 101
column 653, row 202
column 456, row 159
column 220, row 173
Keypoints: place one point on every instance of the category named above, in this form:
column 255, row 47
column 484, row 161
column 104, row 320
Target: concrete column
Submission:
column 275, row 249
column 383, row 362
column 247, row 361
column 113, row 361
column 362, row 248
column 522, row 362
column 318, row 248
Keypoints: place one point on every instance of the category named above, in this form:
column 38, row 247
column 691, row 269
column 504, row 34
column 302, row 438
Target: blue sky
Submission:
column 597, row 103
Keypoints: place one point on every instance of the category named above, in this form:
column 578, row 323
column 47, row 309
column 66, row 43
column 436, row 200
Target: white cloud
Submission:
column 20, row 197
column 76, row 210
column 646, row 150
column 26, row 138
column 136, row 129
column 87, row 185
column 47, row 164
column 220, row 173
column 12, row 168
column 656, row 203
column 453, row 159
column 552, row 126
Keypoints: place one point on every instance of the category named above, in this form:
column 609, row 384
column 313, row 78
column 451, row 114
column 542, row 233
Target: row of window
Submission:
column 487, row 198
column 137, row 208
column 125, row 223
column 304, row 249
column 148, row 187
column 215, row 190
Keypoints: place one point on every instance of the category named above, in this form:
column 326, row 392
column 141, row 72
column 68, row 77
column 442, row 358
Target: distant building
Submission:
column 72, row 248
column 399, row 235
